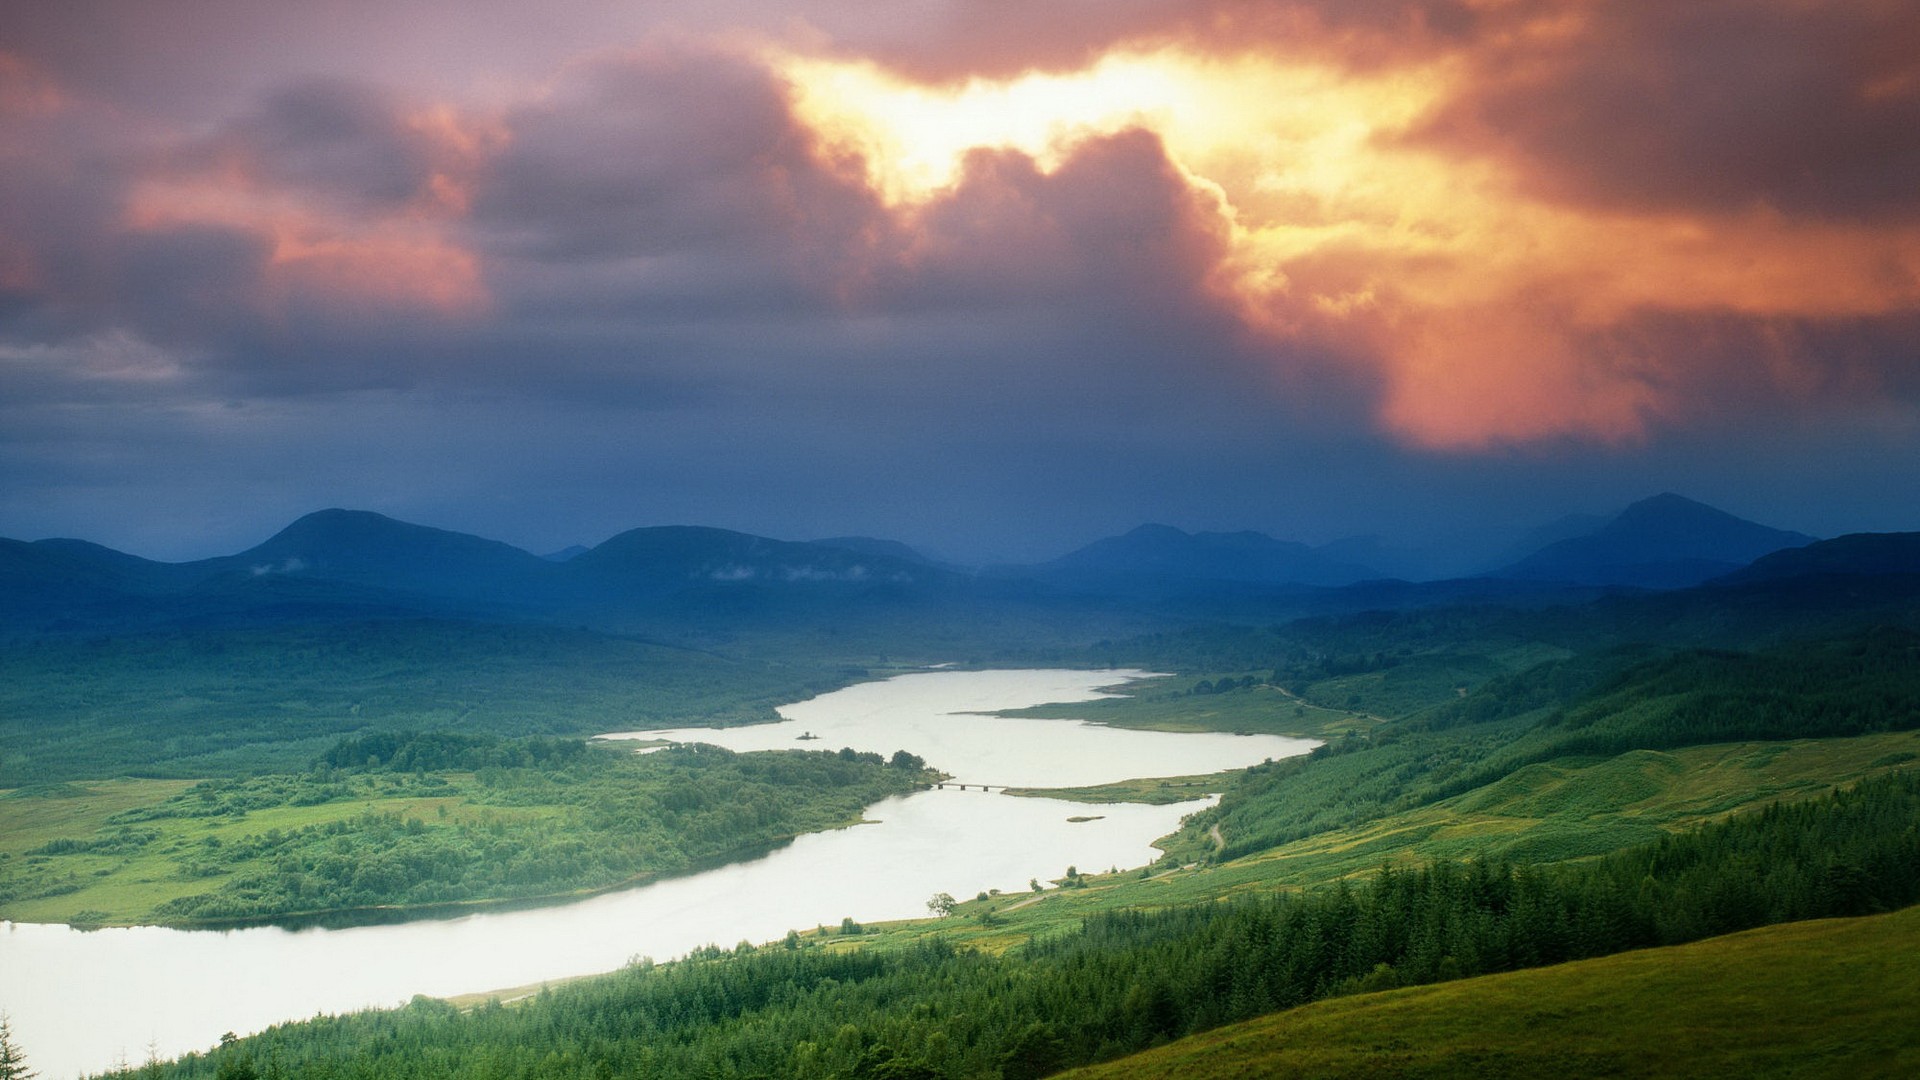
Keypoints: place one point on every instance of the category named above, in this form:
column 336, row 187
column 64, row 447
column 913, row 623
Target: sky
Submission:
column 994, row 278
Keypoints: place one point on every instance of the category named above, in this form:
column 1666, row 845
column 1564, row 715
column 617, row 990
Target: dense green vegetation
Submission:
column 1127, row 980
column 210, row 703
column 1834, row 997
column 1587, row 707
column 1474, row 751
column 406, row 821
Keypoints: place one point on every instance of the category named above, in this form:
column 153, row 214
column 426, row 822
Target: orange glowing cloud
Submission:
column 381, row 255
column 1487, row 310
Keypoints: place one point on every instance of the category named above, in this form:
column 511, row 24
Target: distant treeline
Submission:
column 433, row 751
column 1128, row 980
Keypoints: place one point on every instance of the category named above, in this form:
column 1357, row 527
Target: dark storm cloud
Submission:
column 673, row 180
column 665, row 215
column 328, row 138
column 1114, row 226
column 1716, row 104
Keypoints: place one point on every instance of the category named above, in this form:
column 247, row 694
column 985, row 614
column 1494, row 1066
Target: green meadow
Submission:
column 1827, row 998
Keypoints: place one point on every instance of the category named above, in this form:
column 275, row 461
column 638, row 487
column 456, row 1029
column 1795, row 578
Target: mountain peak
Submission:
column 1664, row 541
column 1668, row 506
column 337, row 523
column 1155, row 531
column 368, row 548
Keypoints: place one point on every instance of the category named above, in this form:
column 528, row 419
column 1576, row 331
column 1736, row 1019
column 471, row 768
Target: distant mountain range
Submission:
column 355, row 564
column 1665, row 542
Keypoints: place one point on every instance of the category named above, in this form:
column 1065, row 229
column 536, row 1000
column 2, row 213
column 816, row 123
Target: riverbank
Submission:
column 79, row 999
column 352, row 843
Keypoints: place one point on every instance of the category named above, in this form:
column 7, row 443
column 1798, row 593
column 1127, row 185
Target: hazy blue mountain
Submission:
column 1664, row 542
column 1853, row 555
column 566, row 553
column 65, row 586
column 49, row 581
column 1170, row 554
column 674, row 557
column 869, row 545
column 1427, row 561
column 346, row 564
column 1571, row 527
column 361, row 548
column 129, row 572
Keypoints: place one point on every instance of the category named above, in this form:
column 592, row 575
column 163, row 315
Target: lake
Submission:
column 87, row 1000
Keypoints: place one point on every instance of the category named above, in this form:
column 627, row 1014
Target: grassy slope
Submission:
column 1833, row 997
column 1560, row 810
column 1573, row 808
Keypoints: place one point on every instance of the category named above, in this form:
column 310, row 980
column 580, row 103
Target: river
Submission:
column 84, row 1001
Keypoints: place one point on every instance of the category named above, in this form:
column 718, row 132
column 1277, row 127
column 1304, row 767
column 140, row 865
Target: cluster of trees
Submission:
column 1223, row 685
column 1128, row 980
column 536, row 817
column 442, row 750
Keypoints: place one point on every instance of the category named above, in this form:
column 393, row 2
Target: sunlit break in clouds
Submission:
column 1492, row 314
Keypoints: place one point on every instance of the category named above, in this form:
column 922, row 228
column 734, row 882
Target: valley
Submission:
column 266, row 764
column 959, row 540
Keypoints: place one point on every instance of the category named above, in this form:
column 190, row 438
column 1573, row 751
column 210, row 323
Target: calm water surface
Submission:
column 83, row 1001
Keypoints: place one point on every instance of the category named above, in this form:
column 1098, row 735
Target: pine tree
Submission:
column 13, row 1063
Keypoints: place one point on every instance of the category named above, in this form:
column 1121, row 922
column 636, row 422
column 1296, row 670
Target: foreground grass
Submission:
column 1834, row 997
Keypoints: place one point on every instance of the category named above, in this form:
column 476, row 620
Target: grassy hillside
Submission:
column 1831, row 998
column 1125, row 981
column 1543, row 814
column 1575, row 712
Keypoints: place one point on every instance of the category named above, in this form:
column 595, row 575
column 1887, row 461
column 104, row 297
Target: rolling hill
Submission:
column 1835, row 997
column 1854, row 555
